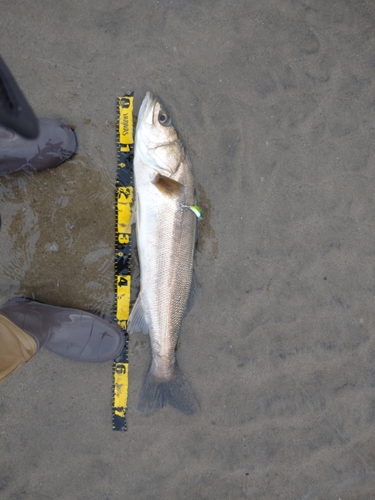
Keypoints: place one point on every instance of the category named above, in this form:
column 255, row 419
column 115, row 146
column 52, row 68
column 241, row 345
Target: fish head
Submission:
column 157, row 141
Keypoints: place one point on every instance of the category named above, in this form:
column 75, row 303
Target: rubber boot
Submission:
column 71, row 333
column 15, row 112
column 55, row 144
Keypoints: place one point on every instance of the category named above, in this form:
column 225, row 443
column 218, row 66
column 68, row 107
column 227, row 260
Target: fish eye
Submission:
column 164, row 119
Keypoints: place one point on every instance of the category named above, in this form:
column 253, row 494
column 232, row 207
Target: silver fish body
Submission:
column 166, row 232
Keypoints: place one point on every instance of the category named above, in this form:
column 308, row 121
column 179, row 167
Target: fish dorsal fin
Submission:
column 137, row 321
column 169, row 186
column 195, row 285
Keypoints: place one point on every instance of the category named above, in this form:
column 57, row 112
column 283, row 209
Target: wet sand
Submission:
column 276, row 104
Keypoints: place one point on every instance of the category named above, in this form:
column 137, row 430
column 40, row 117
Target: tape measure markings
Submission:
column 124, row 200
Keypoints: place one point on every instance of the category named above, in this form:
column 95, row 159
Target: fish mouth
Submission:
column 146, row 111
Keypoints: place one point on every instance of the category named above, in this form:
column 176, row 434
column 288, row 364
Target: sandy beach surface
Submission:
column 275, row 101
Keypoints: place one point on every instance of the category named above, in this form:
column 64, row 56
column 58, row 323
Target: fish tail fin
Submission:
column 176, row 391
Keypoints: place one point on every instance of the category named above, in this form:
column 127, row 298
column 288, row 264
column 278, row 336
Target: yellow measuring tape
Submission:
column 124, row 191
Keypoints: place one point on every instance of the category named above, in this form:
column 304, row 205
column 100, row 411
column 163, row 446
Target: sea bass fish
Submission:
column 166, row 222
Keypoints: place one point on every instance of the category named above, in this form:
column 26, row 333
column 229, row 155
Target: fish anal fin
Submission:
column 169, row 186
column 137, row 321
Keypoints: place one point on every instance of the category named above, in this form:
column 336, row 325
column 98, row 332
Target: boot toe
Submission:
column 85, row 337
column 55, row 144
column 71, row 333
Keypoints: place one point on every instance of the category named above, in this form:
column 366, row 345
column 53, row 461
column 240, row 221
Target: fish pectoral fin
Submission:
column 137, row 321
column 169, row 186
column 133, row 220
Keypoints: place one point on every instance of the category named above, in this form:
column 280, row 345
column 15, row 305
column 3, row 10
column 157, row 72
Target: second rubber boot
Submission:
column 55, row 144
column 71, row 333
column 15, row 112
